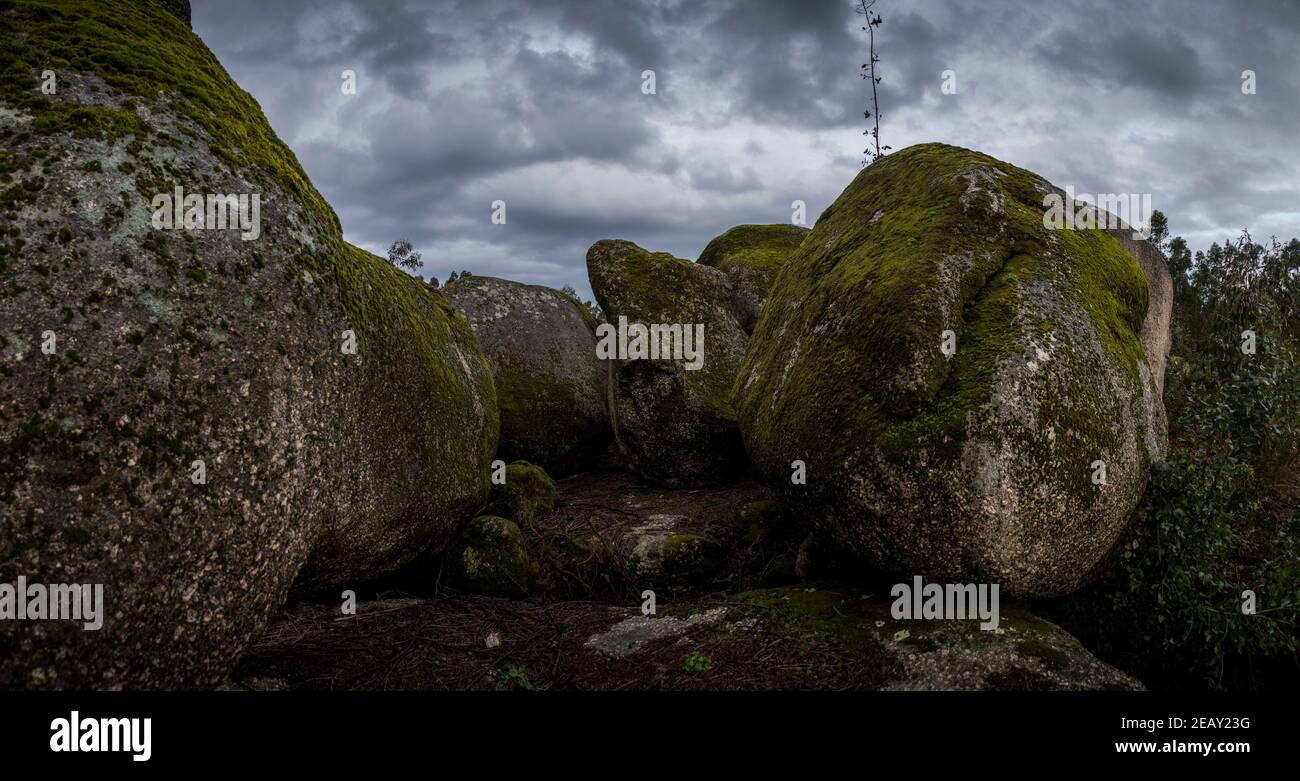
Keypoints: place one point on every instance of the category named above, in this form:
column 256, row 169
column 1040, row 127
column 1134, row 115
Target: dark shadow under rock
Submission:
column 613, row 534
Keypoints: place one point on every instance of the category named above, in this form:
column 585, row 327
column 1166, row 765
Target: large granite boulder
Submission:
column 541, row 345
column 672, row 415
column 751, row 255
column 1016, row 459
column 183, row 418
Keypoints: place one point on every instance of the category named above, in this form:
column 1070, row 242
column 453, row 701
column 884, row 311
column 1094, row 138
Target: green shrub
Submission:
column 1170, row 611
column 1222, row 513
column 697, row 662
column 514, row 678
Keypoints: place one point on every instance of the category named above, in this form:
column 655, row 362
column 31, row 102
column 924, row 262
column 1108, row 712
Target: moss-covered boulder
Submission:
column 182, row 418
column 676, row 424
column 488, row 557
column 541, row 345
column 690, row 557
column 982, row 464
column 527, row 493
column 418, row 450
column 759, row 517
column 664, row 554
column 751, row 255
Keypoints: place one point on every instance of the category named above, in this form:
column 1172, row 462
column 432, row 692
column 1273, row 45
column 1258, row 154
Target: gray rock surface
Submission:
column 979, row 464
column 541, row 345
column 676, row 425
column 635, row 632
column 175, row 350
column 1155, row 334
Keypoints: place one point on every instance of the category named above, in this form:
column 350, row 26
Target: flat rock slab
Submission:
column 631, row 635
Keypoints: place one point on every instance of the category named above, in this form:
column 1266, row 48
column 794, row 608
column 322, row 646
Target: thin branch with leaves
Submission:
column 869, row 72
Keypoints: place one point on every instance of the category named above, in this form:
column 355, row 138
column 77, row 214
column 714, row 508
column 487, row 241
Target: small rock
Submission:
column 527, row 494
column 488, row 557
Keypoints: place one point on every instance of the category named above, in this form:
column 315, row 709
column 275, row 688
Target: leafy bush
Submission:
column 1222, row 513
column 402, row 254
column 514, row 678
column 1171, row 609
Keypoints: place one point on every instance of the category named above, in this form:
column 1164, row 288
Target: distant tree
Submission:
column 433, row 282
column 591, row 306
column 1159, row 231
column 402, row 254
column 869, row 73
column 1179, row 259
column 451, row 277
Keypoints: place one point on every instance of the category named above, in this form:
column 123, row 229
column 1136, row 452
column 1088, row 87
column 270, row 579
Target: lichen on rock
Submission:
column 181, row 347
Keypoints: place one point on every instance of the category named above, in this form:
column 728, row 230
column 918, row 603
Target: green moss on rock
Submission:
column 151, row 56
column 676, row 425
column 1044, row 652
column 810, row 610
column 975, row 465
column 691, row 557
column 232, row 352
column 765, row 247
column 550, row 385
column 751, row 256
column 488, row 557
column 416, row 345
column 759, row 518
column 527, row 494
column 1024, row 652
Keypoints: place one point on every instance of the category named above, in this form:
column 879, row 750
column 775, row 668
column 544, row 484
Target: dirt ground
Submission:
column 761, row 617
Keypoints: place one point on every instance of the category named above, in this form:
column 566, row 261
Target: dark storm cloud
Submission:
column 1159, row 61
column 758, row 104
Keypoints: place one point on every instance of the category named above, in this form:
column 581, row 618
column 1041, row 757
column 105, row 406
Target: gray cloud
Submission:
column 539, row 104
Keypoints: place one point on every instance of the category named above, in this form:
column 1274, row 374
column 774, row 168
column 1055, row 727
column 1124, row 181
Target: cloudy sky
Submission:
column 539, row 103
